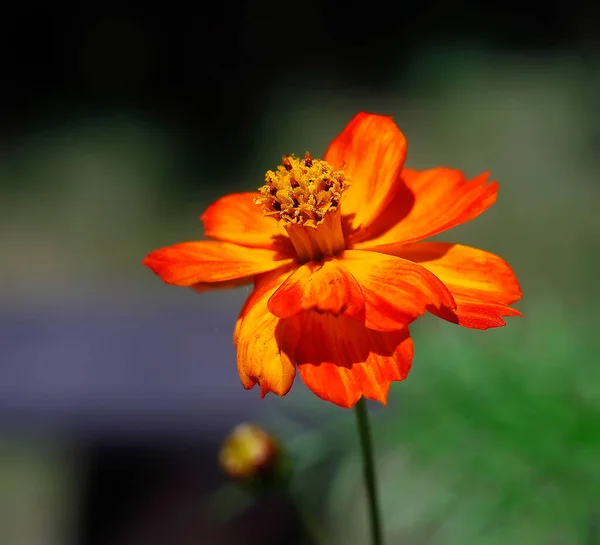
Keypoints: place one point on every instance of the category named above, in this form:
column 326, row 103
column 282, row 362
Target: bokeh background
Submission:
column 118, row 128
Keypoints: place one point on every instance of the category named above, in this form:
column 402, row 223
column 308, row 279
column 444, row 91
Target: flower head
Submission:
column 333, row 250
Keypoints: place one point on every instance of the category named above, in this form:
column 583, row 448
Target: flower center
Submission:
column 304, row 195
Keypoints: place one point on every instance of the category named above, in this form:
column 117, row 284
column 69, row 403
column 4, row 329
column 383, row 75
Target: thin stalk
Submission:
column 366, row 444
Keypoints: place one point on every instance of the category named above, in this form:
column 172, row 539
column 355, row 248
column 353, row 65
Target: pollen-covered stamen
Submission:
column 304, row 195
column 302, row 191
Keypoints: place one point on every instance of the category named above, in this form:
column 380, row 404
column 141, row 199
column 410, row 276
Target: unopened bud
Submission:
column 251, row 454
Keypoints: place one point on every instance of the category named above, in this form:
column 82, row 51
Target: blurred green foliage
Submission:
column 488, row 441
column 494, row 438
column 38, row 483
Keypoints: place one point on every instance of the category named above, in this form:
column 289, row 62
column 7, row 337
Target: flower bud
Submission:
column 251, row 454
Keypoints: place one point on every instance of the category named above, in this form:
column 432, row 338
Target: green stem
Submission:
column 366, row 443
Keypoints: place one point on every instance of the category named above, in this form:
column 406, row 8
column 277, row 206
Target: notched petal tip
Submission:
column 480, row 316
column 483, row 284
column 267, row 385
column 442, row 199
column 264, row 341
column 261, row 361
column 279, row 389
column 346, row 360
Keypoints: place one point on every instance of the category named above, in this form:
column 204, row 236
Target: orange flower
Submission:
column 331, row 247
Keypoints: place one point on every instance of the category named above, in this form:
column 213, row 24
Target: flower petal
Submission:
column 190, row 263
column 324, row 287
column 371, row 150
column 442, row 198
column 477, row 315
column 340, row 360
column 264, row 342
column 235, row 218
column 396, row 290
column 482, row 283
column 263, row 283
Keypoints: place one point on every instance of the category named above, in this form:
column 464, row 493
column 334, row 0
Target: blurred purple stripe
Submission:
column 96, row 371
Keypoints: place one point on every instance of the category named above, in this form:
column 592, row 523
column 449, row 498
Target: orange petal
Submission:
column 482, row 283
column 263, row 283
column 371, row 150
column 235, row 218
column 324, row 287
column 441, row 198
column 477, row 315
column 340, row 360
column 192, row 263
column 396, row 290
column 264, row 341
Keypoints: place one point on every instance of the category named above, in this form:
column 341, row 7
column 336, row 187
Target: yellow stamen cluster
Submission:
column 302, row 191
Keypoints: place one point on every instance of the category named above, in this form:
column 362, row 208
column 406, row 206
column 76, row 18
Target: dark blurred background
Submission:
column 120, row 124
